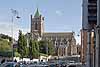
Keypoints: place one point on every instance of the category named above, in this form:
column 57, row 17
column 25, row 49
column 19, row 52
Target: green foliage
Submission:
column 46, row 47
column 50, row 48
column 42, row 47
column 3, row 36
column 17, row 54
column 6, row 53
column 4, row 45
column 42, row 54
column 33, row 49
column 22, row 45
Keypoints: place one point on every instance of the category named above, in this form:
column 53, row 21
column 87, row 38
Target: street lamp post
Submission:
column 58, row 54
column 47, row 49
column 14, row 14
column 89, row 48
column 97, row 62
column 12, row 36
column 78, row 50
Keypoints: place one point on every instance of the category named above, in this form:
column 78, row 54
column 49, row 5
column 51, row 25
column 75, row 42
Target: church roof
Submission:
column 58, row 34
column 37, row 13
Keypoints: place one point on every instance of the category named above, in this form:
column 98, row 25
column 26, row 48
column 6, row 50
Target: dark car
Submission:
column 8, row 64
column 72, row 66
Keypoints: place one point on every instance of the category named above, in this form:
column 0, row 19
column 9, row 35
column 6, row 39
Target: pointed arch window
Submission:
column 36, row 25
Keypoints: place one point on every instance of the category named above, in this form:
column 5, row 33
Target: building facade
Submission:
column 64, row 42
column 89, row 21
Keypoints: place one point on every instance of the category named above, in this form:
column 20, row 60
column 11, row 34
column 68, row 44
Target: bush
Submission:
column 17, row 54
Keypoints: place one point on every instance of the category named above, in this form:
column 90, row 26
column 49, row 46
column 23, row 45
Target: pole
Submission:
column 12, row 36
column 47, row 47
column 14, row 13
column 97, row 62
column 89, row 49
column 94, row 49
column 98, row 36
column 58, row 55
column 78, row 50
column 27, row 40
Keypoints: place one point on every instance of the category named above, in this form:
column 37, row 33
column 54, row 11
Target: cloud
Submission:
column 6, row 28
column 6, row 24
column 58, row 12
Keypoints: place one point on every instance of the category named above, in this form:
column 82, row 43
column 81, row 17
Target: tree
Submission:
column 42, row 47
column 22, row 45
column 46, row 47
column 4, row 45
column 50, row 48
column 37, row 48
column 17, row 54
column 33, row 49
column 3, row 36
column 30, row 49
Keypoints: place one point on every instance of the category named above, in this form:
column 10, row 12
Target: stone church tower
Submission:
column 37, row 25
column 63, row 42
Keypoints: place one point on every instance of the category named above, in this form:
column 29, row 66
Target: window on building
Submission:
column 36, row 26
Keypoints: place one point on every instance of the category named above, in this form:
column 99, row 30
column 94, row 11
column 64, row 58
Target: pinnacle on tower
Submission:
column 37, row 13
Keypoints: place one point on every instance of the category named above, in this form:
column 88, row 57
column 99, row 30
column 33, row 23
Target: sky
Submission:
column 60, row 15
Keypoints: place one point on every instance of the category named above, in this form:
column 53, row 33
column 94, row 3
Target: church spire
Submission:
column 37, row 13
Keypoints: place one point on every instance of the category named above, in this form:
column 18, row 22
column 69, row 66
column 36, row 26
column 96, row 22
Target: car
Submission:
column 23, row 65
column 37, row 65
column 62, row 64
column 71, row 66
column 75, row 65
column 53, row 65
column 71, row 62
column 8, row 64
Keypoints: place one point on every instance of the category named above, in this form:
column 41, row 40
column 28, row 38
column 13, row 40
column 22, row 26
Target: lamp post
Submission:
column 89, row 47
column 47, row 49
column 58, row 53
column 97, row 62
column 14, row 14
column 78, row 47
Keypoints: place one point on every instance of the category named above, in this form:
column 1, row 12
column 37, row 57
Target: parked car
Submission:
column 8, row 64
column 75, row 65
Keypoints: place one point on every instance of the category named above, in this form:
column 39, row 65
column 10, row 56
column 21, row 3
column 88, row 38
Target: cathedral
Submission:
column 64, row 42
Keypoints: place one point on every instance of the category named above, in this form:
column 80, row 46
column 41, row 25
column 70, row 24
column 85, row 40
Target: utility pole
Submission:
column 58, row 54
column 14, row 14
column 88, row 60
column 47, row 49
column 12, row 36
column 94, row 55
column 97, row 64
